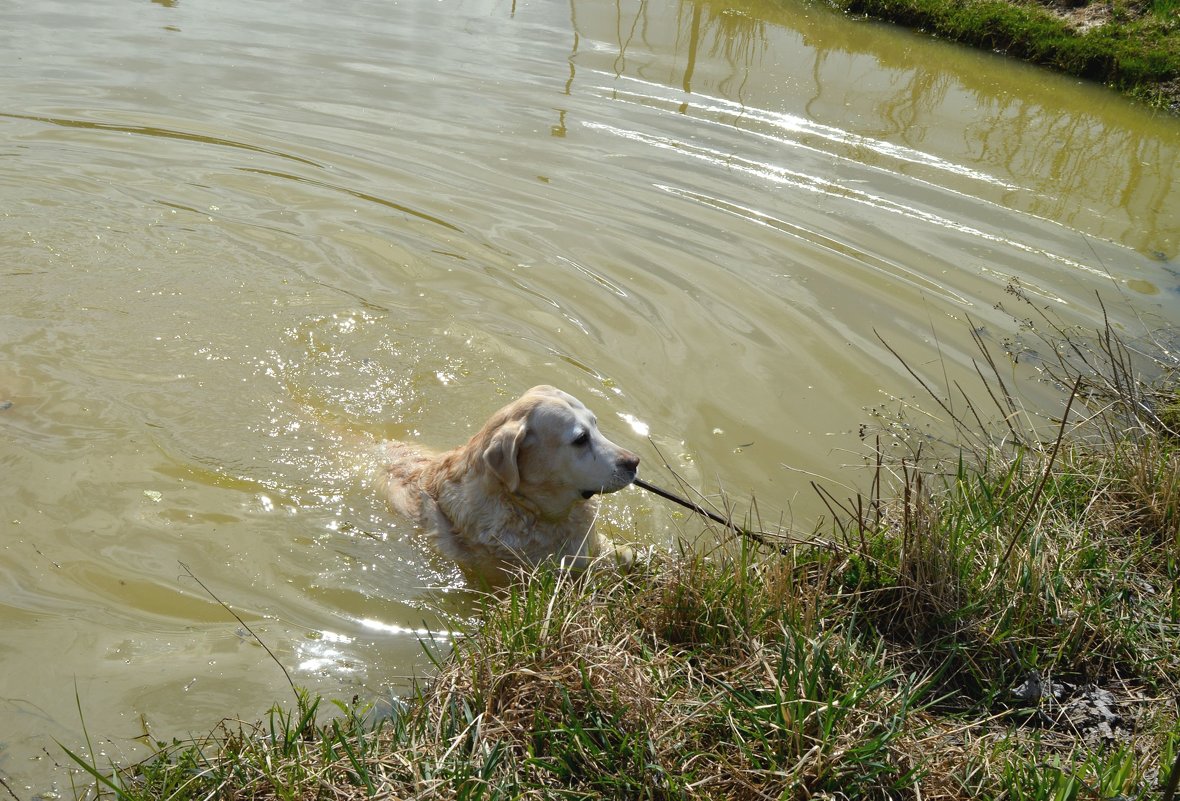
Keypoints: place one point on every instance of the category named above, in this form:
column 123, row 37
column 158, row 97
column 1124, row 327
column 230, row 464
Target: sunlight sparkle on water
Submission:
column 392, row 628
column 638, row 426
column 320, row 653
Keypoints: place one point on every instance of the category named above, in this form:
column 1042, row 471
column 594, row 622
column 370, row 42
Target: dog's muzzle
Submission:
column 625, row 472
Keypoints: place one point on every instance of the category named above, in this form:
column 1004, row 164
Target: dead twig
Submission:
column 4, row 784
column 238, row 618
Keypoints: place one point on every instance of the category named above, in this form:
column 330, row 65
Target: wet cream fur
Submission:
column 519, row 492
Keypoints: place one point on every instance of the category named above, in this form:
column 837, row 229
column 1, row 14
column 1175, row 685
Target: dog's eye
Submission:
column 582, row 439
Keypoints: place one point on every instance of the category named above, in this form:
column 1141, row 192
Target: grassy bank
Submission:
column 986, row 621
column 1131, row 45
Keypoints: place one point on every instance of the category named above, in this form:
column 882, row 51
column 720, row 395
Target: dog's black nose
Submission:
column 629, row 462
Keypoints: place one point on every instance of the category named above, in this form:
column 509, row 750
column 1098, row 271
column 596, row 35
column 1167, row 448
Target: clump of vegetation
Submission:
column 1132, row 45
column 996, row 620
column 696, row 677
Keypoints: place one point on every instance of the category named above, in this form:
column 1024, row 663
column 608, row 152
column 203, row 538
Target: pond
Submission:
column 243, row 241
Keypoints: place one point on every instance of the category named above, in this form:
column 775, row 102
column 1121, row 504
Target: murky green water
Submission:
column 238, row 240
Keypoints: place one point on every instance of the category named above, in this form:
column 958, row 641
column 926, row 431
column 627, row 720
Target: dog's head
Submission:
column 546, row 447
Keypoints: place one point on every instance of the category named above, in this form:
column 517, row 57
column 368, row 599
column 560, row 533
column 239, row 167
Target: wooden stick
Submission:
column 687, row 504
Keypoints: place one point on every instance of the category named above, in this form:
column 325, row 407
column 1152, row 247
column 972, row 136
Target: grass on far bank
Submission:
column 1131, row 45
column 1002, row 624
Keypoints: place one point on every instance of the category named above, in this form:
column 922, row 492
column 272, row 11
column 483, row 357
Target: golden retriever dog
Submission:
column 521, row 491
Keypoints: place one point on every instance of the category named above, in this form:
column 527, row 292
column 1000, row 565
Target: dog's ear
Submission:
column 502, row 453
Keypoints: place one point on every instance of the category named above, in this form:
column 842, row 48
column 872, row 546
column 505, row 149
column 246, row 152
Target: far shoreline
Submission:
column 1132, row 46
